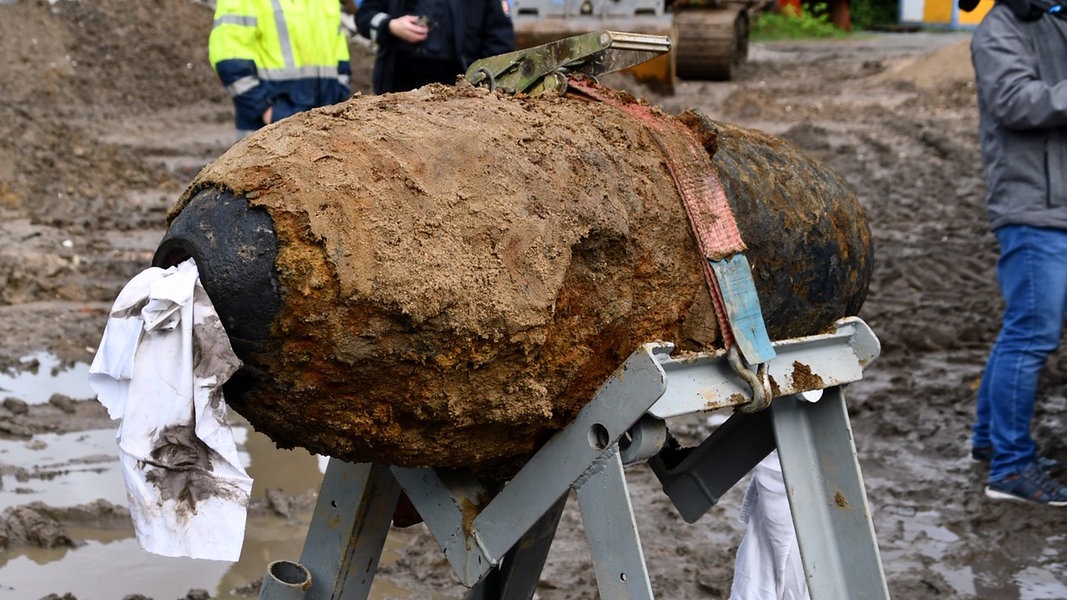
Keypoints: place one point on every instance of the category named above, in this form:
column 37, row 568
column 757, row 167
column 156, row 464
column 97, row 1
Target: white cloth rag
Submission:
column 160, row 368
column 768, row 565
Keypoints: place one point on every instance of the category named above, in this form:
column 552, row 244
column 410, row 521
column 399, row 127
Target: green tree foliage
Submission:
column 868, row 14
column 789, row 24
column 814, row 20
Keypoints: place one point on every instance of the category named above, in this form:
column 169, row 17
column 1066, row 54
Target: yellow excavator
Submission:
column 710, row 37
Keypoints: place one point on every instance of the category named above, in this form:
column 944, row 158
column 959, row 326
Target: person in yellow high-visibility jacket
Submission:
column 279, row 57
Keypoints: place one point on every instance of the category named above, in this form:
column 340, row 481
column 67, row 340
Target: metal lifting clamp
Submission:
column 544, row 69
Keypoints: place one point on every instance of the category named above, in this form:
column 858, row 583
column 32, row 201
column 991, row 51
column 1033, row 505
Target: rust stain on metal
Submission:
column 840, row 500
column 804, row 379
column 470, row 510
column 776, row 390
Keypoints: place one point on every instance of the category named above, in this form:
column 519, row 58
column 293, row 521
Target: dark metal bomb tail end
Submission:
column 235, row 247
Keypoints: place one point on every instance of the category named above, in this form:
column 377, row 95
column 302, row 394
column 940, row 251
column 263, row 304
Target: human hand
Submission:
column 408, row 29
column 268, row 115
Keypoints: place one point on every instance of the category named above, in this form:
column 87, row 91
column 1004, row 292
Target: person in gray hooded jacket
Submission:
column 1020, row 59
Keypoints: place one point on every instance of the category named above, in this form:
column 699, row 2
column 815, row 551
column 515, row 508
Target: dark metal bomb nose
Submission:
column 235, row 247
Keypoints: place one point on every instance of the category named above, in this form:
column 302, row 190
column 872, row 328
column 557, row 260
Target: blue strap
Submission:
column 741, row 301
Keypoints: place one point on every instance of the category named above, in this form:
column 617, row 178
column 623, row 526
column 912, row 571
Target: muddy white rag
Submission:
column 768, row 565
column 160, row 368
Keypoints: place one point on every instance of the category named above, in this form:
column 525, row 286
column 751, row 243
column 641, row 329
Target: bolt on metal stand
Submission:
column 498, row 548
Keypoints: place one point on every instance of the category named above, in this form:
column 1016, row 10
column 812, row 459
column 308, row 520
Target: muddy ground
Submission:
column 108, row 108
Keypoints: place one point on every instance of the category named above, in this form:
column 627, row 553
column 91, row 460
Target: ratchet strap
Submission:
column 726, row 269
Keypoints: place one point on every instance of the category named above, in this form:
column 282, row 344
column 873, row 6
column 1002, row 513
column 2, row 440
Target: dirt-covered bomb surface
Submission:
column 108, row 110
column 458, row 270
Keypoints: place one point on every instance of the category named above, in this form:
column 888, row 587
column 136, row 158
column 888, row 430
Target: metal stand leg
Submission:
column 447, row 499
column 520, row 570
column 285, row 580
column 611, row 530
column 827, row 498
column 348, row 530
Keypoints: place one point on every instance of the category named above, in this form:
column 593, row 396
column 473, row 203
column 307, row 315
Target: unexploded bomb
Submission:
column 444, row 277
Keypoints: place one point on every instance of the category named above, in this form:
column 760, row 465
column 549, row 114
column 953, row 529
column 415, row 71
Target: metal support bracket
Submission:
column 444, row 501
column 705, row 381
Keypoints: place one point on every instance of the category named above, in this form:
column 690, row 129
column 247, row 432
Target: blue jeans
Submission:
column 1032, row 272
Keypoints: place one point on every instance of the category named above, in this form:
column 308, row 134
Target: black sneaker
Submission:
column 1032, row 485
column 1049, row 465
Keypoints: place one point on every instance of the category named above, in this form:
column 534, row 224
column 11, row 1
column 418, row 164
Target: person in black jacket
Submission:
column 428, row 41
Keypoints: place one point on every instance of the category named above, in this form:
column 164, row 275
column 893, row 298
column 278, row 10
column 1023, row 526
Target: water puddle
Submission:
column 990, row 579
column 44, row 375
column 70, row 469
column 61, row 469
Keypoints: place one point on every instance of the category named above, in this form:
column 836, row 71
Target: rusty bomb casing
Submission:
column 444, row 277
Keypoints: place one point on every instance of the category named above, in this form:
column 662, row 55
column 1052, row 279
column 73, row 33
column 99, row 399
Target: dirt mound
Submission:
column 105, row 58
column 95, row 62
column 72, row 69
column 946, row 67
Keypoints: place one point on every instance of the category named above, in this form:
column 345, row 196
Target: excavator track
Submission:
column 711, row 42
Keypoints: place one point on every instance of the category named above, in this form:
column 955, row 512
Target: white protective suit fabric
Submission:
column 160, row 368
column 768, row 565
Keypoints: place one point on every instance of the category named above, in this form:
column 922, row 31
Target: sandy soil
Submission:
column 108, row 109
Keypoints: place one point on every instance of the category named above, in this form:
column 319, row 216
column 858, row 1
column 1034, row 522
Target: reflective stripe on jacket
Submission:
column 291, row 55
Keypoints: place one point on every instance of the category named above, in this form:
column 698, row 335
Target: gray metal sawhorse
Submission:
column 497, row 543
